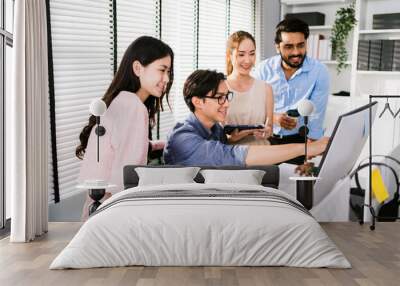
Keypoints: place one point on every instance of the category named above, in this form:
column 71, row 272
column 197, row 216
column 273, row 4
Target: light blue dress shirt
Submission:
column 191, row 144
column 311, row 81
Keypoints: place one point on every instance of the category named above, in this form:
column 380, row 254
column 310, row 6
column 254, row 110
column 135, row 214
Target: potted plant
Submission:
column 344, row 24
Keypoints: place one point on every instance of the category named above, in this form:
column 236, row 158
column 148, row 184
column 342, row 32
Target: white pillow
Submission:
column 248, row 177
column 163, row 176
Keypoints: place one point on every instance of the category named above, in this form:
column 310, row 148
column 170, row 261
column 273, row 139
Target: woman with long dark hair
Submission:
column 134, row 97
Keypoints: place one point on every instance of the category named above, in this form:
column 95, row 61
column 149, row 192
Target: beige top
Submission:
column 249, row 108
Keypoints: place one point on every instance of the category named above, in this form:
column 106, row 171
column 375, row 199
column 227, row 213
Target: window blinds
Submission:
column 82, row 62
column 134, row 19
column 212, row 34
column 177, row 31
column 259, row 32
column 241, row 16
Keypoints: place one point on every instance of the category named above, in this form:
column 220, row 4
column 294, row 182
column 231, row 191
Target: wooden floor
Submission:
column 374, row 255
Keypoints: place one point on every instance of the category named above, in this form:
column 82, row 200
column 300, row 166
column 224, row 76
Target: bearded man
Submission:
column 294, row 76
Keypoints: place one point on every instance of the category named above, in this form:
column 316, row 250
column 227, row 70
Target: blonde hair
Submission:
column 233, row 42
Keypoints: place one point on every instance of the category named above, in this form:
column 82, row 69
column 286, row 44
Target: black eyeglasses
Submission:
column 222, row 98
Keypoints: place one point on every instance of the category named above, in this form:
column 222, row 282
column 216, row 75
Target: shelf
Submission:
column 317, row 28
column 396, row 73
column 307, row 2
column 389, row 31
column 387, row 34
column 333, row 62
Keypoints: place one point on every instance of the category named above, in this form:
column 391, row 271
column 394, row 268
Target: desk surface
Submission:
column 308, row 178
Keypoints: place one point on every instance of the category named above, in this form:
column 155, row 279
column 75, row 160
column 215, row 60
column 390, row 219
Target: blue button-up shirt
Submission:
column 191, row 144
column 311, row 81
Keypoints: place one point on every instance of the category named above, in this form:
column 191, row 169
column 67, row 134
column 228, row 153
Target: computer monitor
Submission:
column 344, row 147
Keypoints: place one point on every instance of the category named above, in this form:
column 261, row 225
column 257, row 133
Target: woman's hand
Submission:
column 259, row 134
column 237, row 135
column 157, row 145
column 263, row 133
column 268, row 131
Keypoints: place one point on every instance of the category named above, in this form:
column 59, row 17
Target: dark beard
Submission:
column 292, row 65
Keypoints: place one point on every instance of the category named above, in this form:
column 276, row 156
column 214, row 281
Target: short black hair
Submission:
column 199, row 83
column 291, row 25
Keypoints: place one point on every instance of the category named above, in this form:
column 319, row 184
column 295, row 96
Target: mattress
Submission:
column 201, row 225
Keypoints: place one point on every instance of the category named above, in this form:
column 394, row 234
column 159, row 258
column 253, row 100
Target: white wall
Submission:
column 68, row 209
column 271, row 19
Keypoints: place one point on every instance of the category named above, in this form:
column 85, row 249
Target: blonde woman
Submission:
column 253, row 102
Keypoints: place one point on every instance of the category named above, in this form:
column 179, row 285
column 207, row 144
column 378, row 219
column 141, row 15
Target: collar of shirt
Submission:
column 277, row 66
column 214, row 133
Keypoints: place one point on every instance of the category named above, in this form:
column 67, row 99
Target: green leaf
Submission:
column 344, row 24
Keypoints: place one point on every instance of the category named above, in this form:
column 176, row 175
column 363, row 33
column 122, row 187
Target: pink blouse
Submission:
column 125, row 141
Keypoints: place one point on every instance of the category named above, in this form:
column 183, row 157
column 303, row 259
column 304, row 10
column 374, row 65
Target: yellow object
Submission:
column 378, row 186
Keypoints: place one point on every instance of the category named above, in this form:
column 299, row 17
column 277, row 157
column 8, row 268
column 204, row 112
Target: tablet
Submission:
column 228, row 129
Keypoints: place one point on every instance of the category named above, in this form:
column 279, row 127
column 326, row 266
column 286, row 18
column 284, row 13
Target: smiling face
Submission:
column 154, row 77
column 208, row 110
column 292, row 49
column 244, row 57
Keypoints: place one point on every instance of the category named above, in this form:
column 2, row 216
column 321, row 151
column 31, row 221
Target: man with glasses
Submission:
column 200, row 139
column 294, row 76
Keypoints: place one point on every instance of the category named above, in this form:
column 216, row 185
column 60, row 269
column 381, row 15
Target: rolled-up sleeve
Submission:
column 191, row 149
column 319, row 98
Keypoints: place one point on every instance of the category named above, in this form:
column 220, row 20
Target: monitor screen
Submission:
column 344, row 147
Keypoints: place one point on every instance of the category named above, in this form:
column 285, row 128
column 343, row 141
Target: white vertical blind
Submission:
column 82, row 61
column 241, row 16
column 178, row 32
column 9, row 12
column 134, row 19
column 50, row 170
column 259, row 33
column 212, row 34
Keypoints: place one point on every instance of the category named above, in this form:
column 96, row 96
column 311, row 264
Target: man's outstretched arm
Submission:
column 273, row 154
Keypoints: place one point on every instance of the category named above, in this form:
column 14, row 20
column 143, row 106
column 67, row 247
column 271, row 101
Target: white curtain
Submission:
column 27, row 139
